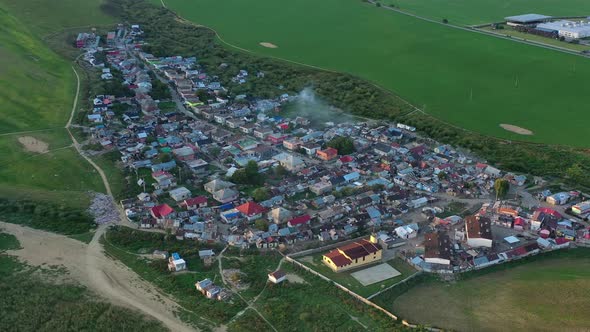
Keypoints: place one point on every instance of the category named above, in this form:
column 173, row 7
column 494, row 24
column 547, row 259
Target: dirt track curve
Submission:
column 88, row 265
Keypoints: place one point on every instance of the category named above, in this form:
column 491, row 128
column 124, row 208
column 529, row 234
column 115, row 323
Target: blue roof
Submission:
column 417, row 260
column 226, row 206
column 373, row 212
column 175, row 256
column 351, row 176
column 480, row 260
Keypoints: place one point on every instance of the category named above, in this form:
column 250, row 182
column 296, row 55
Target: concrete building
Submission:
column 568, row 29
column 180, row 194
column 526, row 19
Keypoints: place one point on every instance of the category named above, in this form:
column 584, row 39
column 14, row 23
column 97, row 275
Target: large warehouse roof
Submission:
column 527, row 18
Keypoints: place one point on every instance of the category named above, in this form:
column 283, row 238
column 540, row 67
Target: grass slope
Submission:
column 545, row 295
column 36, row 92
column 43, row 17
column 469, row 12
column 470, row 80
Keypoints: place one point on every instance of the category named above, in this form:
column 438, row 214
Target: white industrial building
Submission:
column 568, row 29
column 526, row 19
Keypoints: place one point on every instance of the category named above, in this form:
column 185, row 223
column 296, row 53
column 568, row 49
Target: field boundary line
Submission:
column 29, row 131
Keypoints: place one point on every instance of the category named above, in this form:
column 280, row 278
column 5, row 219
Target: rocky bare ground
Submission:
column 104, row 209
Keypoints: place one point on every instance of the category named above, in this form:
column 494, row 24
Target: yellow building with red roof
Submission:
column 353, row 255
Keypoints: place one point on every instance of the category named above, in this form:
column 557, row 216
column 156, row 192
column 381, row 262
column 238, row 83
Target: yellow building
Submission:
column 353, row 255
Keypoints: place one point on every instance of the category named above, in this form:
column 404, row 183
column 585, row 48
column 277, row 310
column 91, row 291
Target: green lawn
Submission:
column 8, row 242
column 473, row 81
column 312, row 304
column 547, row 294
column 347, row 280
column 470, row 12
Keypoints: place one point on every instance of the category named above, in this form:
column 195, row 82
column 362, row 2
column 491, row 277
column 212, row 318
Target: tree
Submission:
column 261, row 224
column 575, row 173
column 280, row 171
column 501, row 186
column 445, row 21
column 248, row 175
column 260, row 194
column 442, row 176
column 344, row 145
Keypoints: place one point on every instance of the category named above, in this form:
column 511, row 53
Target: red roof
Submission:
column 161, row 210
column 331, row 151
column 346, row 159
column 284, row 126
column 250, row 208
column 549, row 211
column 560, row 240
column 338, row 258
column 304, row 219
column 195, row 201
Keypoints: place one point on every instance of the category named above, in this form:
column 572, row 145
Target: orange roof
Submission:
column 250, row 208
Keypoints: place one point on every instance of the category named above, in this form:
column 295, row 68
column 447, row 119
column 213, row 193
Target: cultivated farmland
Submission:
column 470, row 12
column 467, row 79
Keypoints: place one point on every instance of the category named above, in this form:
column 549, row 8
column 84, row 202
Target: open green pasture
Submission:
column 547, row 294
column 470, row 12
column 470, row 80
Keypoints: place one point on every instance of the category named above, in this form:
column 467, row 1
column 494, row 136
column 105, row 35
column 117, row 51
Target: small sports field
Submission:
column 469, row 80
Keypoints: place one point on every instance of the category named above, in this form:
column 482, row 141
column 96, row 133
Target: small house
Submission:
column 277, row 276
column 175, row 263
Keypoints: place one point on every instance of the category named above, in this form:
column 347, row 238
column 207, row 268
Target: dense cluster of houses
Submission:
column 182, row 157
column 467, row 243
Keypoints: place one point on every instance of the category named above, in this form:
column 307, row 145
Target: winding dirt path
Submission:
column 88, row 265
column 103, row 176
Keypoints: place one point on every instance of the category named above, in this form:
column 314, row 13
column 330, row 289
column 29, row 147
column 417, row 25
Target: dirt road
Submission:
column 88, row 265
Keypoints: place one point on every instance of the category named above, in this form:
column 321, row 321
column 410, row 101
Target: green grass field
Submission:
column 547, row 294
column 470, row 12
column 44, row 17
column 470, row 80
column 37, row 88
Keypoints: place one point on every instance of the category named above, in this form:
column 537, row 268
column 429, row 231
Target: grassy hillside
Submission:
column 43, row 17
column 548, row 294
column 469, row 12
column 36, row 93
column 470, row 80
